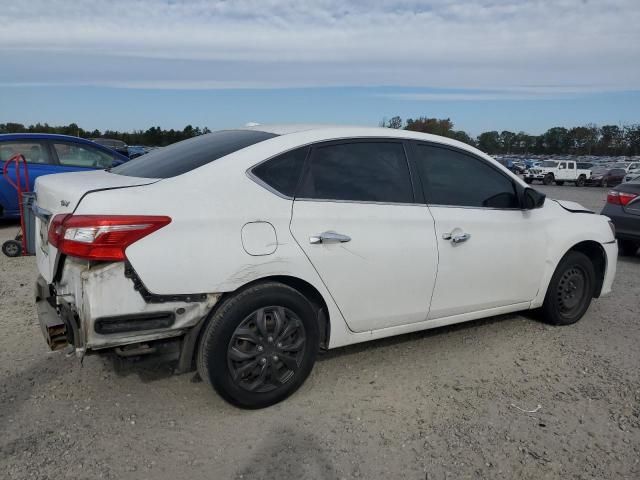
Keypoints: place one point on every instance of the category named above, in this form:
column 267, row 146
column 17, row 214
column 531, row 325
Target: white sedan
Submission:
column 247, row 251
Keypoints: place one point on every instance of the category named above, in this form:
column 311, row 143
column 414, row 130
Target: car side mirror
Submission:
column 532, row 199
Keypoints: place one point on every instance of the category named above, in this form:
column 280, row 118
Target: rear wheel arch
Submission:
column 305, row 288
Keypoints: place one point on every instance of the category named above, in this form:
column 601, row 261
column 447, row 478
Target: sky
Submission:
column 486, row 64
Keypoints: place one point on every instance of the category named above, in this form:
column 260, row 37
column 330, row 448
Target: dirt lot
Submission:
column 447, row 403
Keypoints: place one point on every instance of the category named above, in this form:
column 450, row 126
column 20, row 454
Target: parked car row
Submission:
column 581, row 173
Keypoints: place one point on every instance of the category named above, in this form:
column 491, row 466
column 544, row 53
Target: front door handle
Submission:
column 457, row 238
column 329, row 237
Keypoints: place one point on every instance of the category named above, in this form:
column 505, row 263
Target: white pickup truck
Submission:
column 559, row 171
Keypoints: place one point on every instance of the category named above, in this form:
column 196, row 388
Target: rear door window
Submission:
column 77, row 155
column 33, row 152
column 368, row 171
column 190, row 154
column 453, row 178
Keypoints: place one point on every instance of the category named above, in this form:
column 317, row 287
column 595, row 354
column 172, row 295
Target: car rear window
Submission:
column 190, row 154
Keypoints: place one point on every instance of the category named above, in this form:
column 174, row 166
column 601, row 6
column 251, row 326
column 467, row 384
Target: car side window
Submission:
column 283, row 172
column 453, row 178
column 571, row 165
column 562, row 165
column 368, row 171
column 618, row 171
column 34, row 152
column 74, row 155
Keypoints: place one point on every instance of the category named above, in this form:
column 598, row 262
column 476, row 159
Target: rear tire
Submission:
column 12, row 248
column 243, row 348
column 570, row 290
column 628, row 248
column 548, row 178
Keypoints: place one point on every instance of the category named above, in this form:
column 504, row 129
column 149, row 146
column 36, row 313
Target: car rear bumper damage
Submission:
column 97, row 307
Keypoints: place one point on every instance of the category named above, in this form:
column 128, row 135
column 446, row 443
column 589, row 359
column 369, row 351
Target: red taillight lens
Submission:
column 101, row 237
column 620, row 198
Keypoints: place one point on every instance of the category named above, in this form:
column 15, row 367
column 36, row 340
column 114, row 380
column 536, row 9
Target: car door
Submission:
column 39, row 163
column 356, row 219
column 491, row 253
column 72, row 157
column 562, row 171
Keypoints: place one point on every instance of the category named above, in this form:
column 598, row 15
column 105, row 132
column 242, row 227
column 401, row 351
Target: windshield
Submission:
column 549, row 164
column 182, row 157
column 600, row 170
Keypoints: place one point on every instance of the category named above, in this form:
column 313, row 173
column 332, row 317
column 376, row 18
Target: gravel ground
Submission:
column 446, row 403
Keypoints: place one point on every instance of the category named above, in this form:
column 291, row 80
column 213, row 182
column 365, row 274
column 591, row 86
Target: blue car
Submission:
column 45, row 154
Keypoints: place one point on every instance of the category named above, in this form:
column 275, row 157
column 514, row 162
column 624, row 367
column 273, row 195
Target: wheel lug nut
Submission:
column 270, row 339
column 279, row 345
column 263, row 360
column 275, row 358
column 260, row 348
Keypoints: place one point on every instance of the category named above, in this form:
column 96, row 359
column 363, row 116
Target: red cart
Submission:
column 17, row 247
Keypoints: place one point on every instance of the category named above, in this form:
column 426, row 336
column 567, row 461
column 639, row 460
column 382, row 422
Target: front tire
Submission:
column 581, row 181
column 259, row 346
column 570, row 290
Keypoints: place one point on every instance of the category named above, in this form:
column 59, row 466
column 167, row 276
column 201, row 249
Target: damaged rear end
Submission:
column 88, row 293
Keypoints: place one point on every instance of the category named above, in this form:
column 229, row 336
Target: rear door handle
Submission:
column 457, row 238
column 329, row 237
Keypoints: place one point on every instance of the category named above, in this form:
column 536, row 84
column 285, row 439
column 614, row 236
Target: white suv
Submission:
column 249, row 250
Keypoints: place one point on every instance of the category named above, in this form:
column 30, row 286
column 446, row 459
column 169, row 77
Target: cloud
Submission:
column 465, row 44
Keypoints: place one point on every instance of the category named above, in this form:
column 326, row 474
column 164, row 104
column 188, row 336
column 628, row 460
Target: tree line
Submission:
column 589, row 139
column 585, row 140
column 154, row 136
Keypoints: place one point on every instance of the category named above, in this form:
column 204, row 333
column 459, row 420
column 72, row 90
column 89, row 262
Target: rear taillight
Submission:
column 101, row 237
column 620, row 198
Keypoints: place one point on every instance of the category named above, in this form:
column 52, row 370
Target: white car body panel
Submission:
column 481, row 273
column 384, row 276
column 224, row 223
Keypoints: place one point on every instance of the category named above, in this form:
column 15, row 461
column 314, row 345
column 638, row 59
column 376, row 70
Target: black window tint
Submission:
column 190, row 154
column 618, row 171
column 454, row 178
column 283, row 172
column 359, row 171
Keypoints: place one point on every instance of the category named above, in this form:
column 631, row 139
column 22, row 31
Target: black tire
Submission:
column 528, row 180
column 12, row 248
column 232, row 333
column 628, row 248
column 559, row 182
column 548, row 178
column 581, row 181
column 570, row 290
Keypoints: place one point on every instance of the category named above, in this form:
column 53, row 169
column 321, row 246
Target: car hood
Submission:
column 573, row 206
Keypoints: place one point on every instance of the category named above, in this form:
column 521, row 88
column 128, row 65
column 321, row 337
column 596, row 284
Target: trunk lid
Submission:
column 61, row 193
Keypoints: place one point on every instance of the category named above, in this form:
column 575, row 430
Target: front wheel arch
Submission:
column 598, row 257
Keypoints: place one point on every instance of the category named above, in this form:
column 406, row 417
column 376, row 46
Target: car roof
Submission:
column 42, row 136
column 329, row 132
